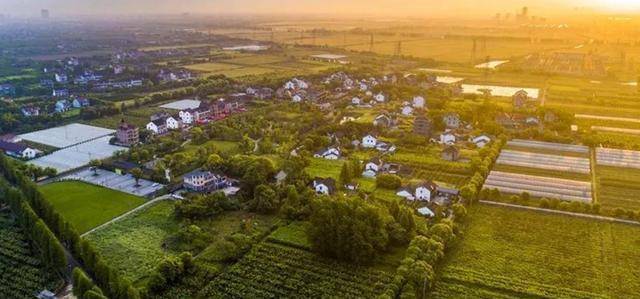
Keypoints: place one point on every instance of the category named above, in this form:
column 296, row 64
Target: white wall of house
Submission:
column 369, row 141
column 423, row 193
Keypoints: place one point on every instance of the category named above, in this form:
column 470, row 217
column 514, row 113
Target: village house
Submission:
column 380, row 98
column 18, row 150
column 326, row 186
column 424, row 191
column 29, row 111
column 391, row 168
column 385, row 147
column 356, row 101
column 481, row 141
column 384, row 120
column 520, row 99
column 450, row 153
column 451, row 120
column 60, row 92
column 372, row 167
column 61, row 78
column 447, row 138
column 62, row 106
column 172, row 123
column 330, row 153
column 296, row 83
column 426, row 212
column 369, row 141
column 406, row 110
column 418, row 102
column 7, row 90
column 158, row 126
column 204, row 181
column 127, row 134
column 422, row 126
column 80, row 102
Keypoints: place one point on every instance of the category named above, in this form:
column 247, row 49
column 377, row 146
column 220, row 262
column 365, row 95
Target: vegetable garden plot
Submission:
column 618, row 158
column 21, row 273
column 539, row 186
column 544, row 161
column 549, row 145
column 276, row 271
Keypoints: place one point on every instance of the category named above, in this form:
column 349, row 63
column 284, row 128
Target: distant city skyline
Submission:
column 291, row 7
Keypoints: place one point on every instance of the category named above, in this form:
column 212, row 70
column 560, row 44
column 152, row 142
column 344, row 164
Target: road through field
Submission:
column 596, row 217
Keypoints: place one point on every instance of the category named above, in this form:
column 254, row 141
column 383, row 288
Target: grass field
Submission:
column 87, row 206
column 324, row 168
column 510, row 253
column 618, row 187
column 134, row 246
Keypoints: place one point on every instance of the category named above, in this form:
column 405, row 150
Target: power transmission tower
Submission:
column 474, row 49
column 398, row 50
column 371, row 43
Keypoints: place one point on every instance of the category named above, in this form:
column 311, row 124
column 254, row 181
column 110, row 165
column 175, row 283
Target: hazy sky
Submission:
column 362, row 7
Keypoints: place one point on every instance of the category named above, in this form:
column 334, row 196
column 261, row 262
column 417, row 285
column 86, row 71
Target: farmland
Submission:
column 134, row 245
column 272, row 270
column 539, row 186
column 87, row 206
column 509, row 253
column 618, row 173
column 22, row 273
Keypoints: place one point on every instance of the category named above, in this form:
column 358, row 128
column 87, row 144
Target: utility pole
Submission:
column 371, row 43
column 398, row 50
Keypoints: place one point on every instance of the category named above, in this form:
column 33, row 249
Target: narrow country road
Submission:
column 146, row 204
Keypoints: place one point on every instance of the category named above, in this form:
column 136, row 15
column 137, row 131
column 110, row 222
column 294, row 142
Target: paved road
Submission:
column 146, row 204
column 597, row 217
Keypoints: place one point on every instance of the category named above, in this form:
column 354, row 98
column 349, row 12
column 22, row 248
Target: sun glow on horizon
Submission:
column 620, row 5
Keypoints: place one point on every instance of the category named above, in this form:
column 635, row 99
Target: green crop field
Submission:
column 324, row 168
column 22, row 273
column 134, row 245
column 512, row 253
column 618, row 187
column 272, row 270
column 87, row 206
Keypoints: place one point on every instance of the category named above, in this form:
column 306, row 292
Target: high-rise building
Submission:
column 44, row 13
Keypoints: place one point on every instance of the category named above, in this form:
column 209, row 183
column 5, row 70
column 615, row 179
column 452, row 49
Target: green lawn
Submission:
column 134, row 245
column 87, row 206
column 513, row 253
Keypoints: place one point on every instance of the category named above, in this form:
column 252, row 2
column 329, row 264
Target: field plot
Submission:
column 544, row 161
column 618, row 174
column 68, row 135
column 134, row 245
column 510, row 253
column 182, row 105
column 87, row 206
column 538, row 186
column 557, row 147
column 499, row 91
column 618, row 158
column 615, row 130
column 22, row 273
column 276, row 271
column 78, row 155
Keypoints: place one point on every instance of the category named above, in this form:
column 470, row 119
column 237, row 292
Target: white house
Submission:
column 424, row 191
column 481, row 140
column 158, row 126
column 369, row 141
column 363, row 86
column 418, row 102
column 379, row 98
column 18, row 150
column 406, row 110
column 447, row 138
column 331, row 153
column 356, row 101
column 172, row 123
column 296, row 98
column 372, row 167
column 186, row 116
column 324, row 186
column 406, row 193
column 424, row 211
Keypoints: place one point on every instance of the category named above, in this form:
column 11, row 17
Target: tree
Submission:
column 265, row 199
column 94, row 165
column 214, row 162
column 345, row 174
column 247, row 145
column 348, row 229
column 388, row 181
column 137, row 175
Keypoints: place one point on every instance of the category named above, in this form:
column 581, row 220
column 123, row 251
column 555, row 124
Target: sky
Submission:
column 339, row 7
